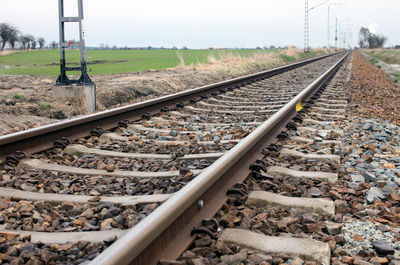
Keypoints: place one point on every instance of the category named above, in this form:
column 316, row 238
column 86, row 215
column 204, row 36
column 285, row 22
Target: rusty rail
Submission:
column 165, row 233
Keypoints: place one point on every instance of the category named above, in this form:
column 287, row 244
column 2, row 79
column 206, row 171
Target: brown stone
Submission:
column 332, row 244
column 201, row 251
column 379, row 260
column 395, row 196
column 9, row 236
column 225, row 250
column 333, row 228
column 236, row 258
column 259, row 258
column 283, row 256
column 110, row 168
column 359, row 207
column 335, row 195
column 341, row 206
column 106, row 224
column 55, row 215
column 388, row 165
column 203, row 242
column 347, row 259
column 340, row 252
column 340, row 240
column 311, row 228
column 188, row 255
column 67, row 206
column 63, row 247
column 277, row 260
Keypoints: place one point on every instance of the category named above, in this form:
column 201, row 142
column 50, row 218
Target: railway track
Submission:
column 77, row 182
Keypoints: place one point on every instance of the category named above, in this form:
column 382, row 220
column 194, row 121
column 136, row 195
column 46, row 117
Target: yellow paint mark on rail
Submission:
column 299, row 106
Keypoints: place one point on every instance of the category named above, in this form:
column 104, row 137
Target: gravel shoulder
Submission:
column 372, row 93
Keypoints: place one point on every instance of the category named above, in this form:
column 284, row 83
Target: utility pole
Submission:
column 336, row 38
column 306, row 28
column 63, row 78
column 344, row 40
column 329, row 41
column 85, row 89
column 307, row 24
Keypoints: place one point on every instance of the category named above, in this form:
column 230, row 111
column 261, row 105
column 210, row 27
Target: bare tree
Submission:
column 13, row 39
column 53, row 45
column 8, row 33
column 41, row 42
column 370, row 40
column 364, row 35
column 25, row 40
column 32, row 42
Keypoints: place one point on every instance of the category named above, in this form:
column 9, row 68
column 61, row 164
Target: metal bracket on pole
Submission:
column 63, row 78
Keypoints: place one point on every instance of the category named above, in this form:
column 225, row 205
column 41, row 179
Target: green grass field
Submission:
column 389, row 56
column 46, row 62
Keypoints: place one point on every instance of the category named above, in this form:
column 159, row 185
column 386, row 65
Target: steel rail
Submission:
column 41, row 138
column 165, row 233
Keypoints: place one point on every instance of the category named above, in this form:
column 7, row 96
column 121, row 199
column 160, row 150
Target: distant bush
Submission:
column 302, row 55
column 287, row 58
column 45, row 106
column 18, row 96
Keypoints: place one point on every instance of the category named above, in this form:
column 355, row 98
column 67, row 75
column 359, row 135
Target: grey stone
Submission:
column 374, row 194
column 315, row 192
column 353, row 185
column 378, row 171
column 297, row 261
column 27, row 187
column 308, row 219
column 383, row 248
column 216, row 138
column 367, row 126
column 397, row 180
column 390, row 186
column 228, row 137
column 382, row 177
column 369, row 176
column 236, row 258
column 322, row 134
column 374, row 164
column 13, row 251
column 357, row 178
column 258, row 258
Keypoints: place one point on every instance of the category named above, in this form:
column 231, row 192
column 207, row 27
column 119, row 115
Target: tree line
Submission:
column 9, row 34
column 367, row 39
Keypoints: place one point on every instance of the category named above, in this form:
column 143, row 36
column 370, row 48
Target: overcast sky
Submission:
column 206, row 23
